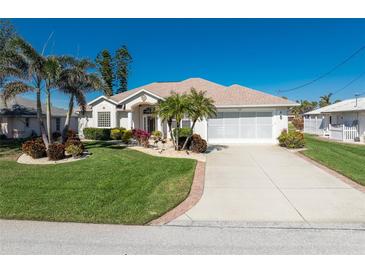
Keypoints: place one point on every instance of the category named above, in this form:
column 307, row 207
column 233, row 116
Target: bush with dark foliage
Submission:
column 3, row 137
column 198, row 144
column 71, row 134
column 93, row 133
column 35, row 148
column 56, row 135
column 56, row 152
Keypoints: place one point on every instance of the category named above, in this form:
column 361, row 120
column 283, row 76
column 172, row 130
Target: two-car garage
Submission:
column 241, row 126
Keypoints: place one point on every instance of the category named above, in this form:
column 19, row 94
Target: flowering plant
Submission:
column 141, row 136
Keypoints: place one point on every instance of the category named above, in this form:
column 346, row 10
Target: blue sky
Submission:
column 264, row 54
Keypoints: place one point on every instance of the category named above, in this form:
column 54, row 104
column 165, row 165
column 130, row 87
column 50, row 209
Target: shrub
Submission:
column 3, row 137
column 298, row 122
column 183, row 132
column 97, row 133
column 116, row 133
column 141, row 136
column 198, row 144
column 74, row 150
column 292, row 139
column 71, row 134
column 56, row 152
column 156, row 135
column 127, row 135
column 74, row 142
column 56, row 135
column 34, row 148
column 282, row 138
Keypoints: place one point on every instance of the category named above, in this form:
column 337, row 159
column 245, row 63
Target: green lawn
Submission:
column 10, row 149
column 346, row 159
column 114, row 185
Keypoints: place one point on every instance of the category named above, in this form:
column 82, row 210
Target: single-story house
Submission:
column 18, row 118
column 244, row 115
column 344, row 121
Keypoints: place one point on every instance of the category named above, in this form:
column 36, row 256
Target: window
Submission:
column 103, row 119
column 58, row 124
column 185, row 123
column 27, row 122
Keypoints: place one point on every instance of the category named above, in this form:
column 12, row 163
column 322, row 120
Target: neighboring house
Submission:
column 244, row 115
column 344, row 121
column 18, row 118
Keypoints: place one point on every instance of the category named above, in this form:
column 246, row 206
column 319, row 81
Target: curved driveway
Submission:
column 267, row 184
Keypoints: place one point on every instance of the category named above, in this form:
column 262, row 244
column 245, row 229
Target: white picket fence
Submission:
column 343, row 132
column 313, row 126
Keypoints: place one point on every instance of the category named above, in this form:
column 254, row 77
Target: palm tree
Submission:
column 29, row 78
column 325, row 100
column 75, row 81
column 52, row 70
column 200, row 107
column 174, row 107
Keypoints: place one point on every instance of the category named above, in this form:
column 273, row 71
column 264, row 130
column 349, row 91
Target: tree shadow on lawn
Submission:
column 102, row 144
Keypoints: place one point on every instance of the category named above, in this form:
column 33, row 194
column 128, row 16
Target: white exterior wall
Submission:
column 122, row 117
column 280, row 122
column 362, row 126
column 201, row 128
column 15, row 127
column 105, row 106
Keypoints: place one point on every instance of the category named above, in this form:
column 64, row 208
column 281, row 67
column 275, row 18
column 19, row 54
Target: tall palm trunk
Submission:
column 169, row 124
column 49, row 115
column 177, row 136
column 188, row 138
column 40, row 120
column 68, row 119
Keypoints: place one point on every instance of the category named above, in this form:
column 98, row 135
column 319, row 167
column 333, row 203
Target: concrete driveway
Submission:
column 267, row 184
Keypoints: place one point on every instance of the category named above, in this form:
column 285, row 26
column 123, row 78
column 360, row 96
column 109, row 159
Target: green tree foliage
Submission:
column 304, row 107
column 325, row 100
column 104, row 62
column 123, row 60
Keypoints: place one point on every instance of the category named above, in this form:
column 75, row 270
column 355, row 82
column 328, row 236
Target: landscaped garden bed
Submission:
column 115, row 185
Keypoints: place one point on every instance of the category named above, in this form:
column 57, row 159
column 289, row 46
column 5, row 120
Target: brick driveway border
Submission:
column 194, row 196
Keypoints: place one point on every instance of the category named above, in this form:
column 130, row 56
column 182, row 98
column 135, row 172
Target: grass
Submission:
column 114, row 185
column 10, row 149
column 346, row 159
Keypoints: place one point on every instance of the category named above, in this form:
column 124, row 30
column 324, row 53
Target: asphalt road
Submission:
column 29, row 237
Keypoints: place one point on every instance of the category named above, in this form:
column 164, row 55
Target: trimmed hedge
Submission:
column 93, row 133
column 117, row 133
column 127, row 136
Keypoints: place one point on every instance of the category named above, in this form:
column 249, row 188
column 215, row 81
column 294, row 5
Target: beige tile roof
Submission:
column 234, row 95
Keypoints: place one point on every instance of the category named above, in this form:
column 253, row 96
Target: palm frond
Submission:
column 11, row 89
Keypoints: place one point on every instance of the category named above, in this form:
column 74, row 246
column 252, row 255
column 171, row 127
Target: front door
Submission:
column 149, row 123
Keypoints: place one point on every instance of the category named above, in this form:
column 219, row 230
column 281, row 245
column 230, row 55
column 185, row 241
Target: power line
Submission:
column 327, row 73
column 349, row 83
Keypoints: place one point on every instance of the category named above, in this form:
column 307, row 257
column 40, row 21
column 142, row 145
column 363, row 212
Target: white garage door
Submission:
column 240, row 127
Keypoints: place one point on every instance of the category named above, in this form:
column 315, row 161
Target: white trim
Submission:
column 142, row 90
column 103, row 97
